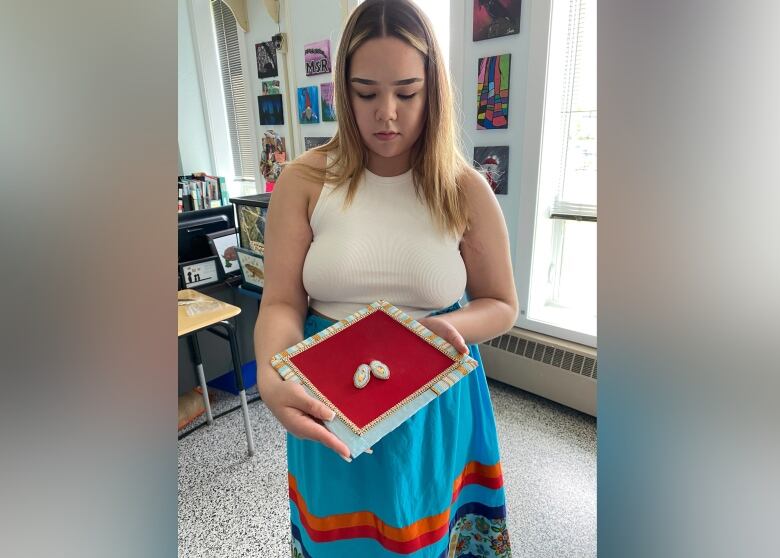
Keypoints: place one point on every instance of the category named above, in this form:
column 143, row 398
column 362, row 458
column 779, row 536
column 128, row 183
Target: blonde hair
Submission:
column 436, row 160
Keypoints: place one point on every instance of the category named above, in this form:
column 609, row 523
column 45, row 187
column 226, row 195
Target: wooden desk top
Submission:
column 197, row 311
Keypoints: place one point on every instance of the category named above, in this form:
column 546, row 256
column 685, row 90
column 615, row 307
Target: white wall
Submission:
column 194, row 152
column 464, row 55
column 304, row 21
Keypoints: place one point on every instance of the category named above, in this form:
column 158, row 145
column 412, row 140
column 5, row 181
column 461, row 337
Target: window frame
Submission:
column 533, row 118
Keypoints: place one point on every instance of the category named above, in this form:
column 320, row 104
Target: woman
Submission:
column 389, row 209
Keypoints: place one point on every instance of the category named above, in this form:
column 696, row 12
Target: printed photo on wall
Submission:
column 252, row 269
column 328, row 108
column 314, row 141
column 308, row 105
column 493, row 164
column 270, row 109
column 493, row 92
column 271, row 87
column 496, row 18
column 266, row 60
column 317, row 57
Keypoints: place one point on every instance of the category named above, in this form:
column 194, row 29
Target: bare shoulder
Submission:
column 299, row 179
column 480, row 198
column 313, row 159
column 304, row 167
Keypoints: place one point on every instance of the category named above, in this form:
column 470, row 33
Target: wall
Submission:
column 464, row 56
column 194, row 152
column 304, row 21
column 314, row 20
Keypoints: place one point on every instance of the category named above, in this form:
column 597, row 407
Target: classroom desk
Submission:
column 199, row 312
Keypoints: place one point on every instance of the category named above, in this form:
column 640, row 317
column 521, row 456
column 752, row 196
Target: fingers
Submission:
column 301, row 412
column 460, row 345
column 312, row 430
column 454, row 338
column 448, row 332
column 309, row 405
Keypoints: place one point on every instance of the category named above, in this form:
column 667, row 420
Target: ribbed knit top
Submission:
column 385, row 245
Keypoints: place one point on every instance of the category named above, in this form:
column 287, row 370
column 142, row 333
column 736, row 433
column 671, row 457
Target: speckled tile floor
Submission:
column 231, row 506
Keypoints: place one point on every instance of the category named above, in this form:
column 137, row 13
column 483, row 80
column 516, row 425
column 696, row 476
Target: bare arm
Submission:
column 493, row 306
column 284, row 302
column 283, row 310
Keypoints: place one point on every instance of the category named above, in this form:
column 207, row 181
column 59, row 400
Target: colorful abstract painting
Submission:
column 496, row 18
column 308, row 105
column 493, row 163
column 270, row 109
column 317, row 57
column 266, row 60
column 493, row 92
column 328, row 108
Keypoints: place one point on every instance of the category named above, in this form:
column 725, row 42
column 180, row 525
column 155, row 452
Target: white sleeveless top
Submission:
column 385, row 245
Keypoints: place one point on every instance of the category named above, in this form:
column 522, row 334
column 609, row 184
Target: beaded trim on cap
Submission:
column 461, row 366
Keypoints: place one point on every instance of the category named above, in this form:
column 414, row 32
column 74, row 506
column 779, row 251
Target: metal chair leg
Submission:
column 231, row 331
column 193, row 339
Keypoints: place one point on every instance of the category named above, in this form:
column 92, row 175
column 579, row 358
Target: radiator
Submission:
column 555, row 369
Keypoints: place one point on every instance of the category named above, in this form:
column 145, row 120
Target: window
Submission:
column 238, row 113
column 440, row 20
column 560, row 298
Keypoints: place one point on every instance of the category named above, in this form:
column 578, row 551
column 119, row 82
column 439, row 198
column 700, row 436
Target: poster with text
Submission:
column 317, row 57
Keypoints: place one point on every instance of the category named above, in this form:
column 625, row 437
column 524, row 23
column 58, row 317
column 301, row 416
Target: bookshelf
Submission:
column 201, row 191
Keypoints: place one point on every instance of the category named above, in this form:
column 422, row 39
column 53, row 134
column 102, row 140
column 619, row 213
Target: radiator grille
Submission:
column 554, row 356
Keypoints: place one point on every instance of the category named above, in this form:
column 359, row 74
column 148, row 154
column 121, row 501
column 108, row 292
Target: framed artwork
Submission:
column 493, row 92
column 314, row 141
column 316, row 56
column 199, row 273
column 328, row 108
column 273, row 155
column 415, row 366
column 252, row 269
column 308, row 105
column 496, row 18
column 224, row 245
column 493, row 164
column 271, row 87
column 270, row 109
column 266, row 60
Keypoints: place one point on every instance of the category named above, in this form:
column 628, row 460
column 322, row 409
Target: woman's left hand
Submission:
column 446, row 331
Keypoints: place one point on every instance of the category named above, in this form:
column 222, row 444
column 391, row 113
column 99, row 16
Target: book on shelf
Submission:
column 201, row 191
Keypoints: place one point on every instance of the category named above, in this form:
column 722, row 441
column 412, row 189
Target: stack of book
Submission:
column 201, row 191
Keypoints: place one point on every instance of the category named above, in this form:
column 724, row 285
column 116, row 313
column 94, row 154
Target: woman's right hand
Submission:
column 301, row 413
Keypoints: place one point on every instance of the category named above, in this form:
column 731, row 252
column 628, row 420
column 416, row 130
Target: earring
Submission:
column 362, row 376
column 380, row 370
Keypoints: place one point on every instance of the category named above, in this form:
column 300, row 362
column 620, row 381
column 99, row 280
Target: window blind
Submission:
column 576, row 189
column 233, row 86
column 573, row 211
